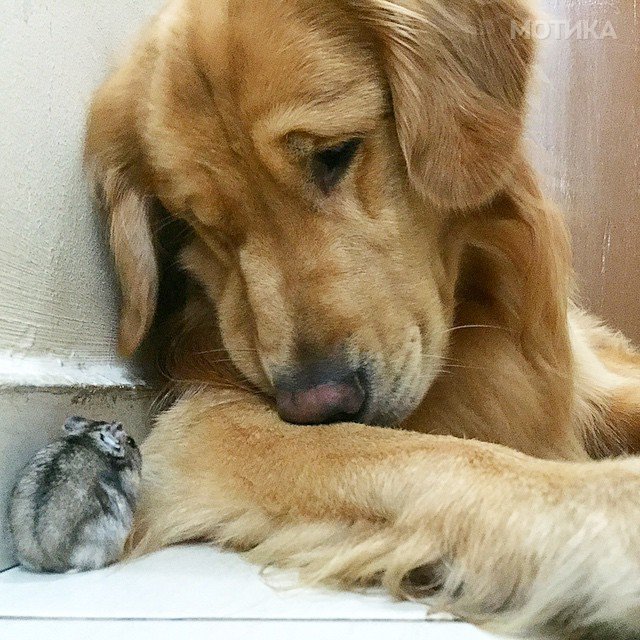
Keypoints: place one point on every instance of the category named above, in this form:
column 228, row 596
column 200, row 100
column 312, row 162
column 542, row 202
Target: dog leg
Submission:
column 503, row 540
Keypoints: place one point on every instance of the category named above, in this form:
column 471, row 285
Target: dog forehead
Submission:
column 209, row 29
column 263, row 52
column 275, row 67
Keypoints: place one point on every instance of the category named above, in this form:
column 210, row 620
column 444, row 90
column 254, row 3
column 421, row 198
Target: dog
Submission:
column 329, row 206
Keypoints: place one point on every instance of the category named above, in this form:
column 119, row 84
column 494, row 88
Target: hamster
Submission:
column 72, row 509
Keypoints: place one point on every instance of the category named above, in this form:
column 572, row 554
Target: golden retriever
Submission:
column 343, row 186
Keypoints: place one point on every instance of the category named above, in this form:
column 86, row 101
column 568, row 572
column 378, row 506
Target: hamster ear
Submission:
column 115, row 160
column 458, row 73
column 75, row 425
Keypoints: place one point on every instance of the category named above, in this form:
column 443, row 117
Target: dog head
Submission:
column 322, row 153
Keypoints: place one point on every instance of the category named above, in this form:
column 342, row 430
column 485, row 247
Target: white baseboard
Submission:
column 17, row 371
column 36, row 396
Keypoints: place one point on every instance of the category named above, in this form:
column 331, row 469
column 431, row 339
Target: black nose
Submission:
column 321, row 392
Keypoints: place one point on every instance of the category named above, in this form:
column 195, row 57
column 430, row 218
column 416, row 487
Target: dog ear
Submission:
column 116, row 164
column 458, row 73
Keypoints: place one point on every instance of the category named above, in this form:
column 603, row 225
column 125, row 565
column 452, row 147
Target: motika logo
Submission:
column 563, row 30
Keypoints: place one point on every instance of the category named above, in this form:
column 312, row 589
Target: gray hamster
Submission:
column 72, row 509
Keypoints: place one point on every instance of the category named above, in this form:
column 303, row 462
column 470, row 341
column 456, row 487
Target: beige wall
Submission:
column 58, row 296
column 588, row 129
column 57, row 293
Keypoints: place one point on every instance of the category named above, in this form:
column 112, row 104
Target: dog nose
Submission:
column 321, row 393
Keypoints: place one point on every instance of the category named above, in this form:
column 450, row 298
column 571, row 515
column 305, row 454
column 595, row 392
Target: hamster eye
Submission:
column 131, row 442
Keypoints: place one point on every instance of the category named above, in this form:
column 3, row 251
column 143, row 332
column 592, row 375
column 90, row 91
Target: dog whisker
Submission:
column 474, row 326
column 208, row 351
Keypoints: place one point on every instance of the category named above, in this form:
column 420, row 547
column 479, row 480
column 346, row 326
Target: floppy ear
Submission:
column 116, row 164
column 458, row 73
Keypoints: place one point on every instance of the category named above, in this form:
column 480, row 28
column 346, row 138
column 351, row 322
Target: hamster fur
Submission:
column 72, row 509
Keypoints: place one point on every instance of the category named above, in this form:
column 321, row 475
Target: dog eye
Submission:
column 330, row 165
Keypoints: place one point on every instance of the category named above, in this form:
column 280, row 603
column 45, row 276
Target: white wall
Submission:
column 58, row 295
column 57, row 292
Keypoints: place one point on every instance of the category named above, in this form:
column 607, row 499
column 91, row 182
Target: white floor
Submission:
column 197, row 592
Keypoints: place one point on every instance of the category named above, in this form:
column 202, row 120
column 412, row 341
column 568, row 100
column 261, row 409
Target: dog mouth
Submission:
column 379, row 409
column 364, row 415
column 396, row 386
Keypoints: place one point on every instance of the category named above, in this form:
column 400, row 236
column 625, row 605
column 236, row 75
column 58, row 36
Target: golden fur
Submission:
column 436, row 259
